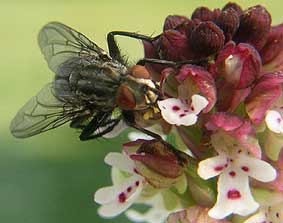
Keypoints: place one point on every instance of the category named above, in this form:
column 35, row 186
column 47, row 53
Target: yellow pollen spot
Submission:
column 155, row 110
column 148, row 115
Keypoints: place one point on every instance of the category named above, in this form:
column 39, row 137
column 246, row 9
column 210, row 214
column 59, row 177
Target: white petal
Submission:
column 176, row 113
column 133, row 136
column 117, row 130
column 198, row 103
column 153, row 215
column 105, row 195
column 256, row 168
column 120, row 161
column 117, row 205
column 257, row 218
column 117, row 176
column 274, row 121
column 212, row 167
column 234, row 195
column 109, row 194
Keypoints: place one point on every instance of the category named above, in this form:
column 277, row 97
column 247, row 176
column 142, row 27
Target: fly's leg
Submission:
column 130, row 120
column 93, row 125
column 115, row 53
column 114, row 50
column 169, row 63
column 77, row 123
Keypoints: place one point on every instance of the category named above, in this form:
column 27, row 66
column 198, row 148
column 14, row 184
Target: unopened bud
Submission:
column 254, row 27
column 203, row 14
column 235, row 6
column 229, row 22
column 207, row 39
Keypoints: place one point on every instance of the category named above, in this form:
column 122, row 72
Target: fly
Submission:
column 91, row 90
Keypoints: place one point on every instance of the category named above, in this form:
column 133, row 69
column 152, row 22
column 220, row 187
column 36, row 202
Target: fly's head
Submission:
column 137, row 92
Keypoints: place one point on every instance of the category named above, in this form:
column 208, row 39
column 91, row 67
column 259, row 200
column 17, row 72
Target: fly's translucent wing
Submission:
column 43, row 112
column 60, row 43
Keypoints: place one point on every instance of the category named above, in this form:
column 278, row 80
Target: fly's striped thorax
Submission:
column 93, row 84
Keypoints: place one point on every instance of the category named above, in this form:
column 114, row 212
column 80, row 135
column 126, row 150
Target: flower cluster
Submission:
column 220, row 114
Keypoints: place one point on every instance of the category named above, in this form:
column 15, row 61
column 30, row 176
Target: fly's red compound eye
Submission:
column 125, row 98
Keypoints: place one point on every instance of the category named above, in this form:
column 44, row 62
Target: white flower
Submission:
column 234, row 195
column 274, row 121
column 117, row 198
column 175, row 112
column 127, row 189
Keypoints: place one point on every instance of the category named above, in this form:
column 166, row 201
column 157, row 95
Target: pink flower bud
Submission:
column 239, row 65
column 194, row 80
column 263, row 96
column 274, row 44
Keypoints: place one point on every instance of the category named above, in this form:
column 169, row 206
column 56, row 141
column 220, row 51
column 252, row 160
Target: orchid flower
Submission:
column 176, row 112
column 119, row 197
column 222, row 100
column 234, row 165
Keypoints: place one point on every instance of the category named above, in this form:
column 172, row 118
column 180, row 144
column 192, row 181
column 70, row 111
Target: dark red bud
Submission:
column 158, row 157
column 150, row 51
column 203, row 13
column 216, row 14
column 229, row 22
column 234, row 6
column 173, row 21
column 174, row 46
column 274, row 44
column 206, row 39
column 254, row 27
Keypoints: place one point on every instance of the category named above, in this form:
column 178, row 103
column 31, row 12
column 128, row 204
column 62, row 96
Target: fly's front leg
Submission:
column 114, row 50
column 130, row 120
column 169, row 63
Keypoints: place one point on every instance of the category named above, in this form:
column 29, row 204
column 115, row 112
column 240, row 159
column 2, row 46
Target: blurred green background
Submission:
column 52, row 177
